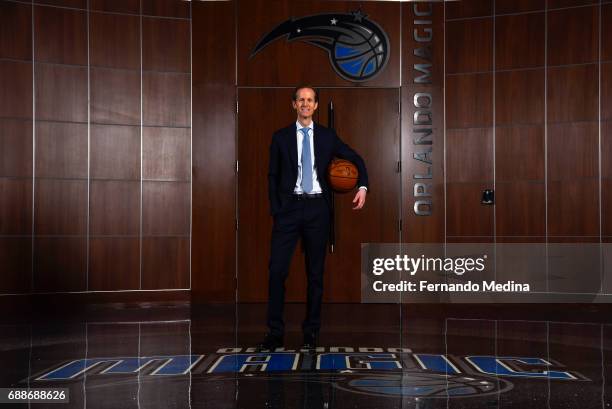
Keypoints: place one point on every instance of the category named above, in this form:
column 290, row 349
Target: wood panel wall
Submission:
column 524, row 81
column 95, row 121
column 95, row 137
column 214, row 152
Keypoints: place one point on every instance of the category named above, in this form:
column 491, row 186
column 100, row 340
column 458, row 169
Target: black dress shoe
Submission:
column 270, row 342
column 311, row 339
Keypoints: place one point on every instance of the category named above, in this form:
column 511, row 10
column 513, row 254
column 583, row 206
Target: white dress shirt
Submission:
column 316, row 187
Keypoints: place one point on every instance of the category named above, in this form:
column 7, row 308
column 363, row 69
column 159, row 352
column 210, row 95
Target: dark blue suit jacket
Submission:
column 283, row 169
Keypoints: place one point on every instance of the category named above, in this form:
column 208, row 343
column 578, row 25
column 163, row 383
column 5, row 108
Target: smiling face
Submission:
column 305, row 105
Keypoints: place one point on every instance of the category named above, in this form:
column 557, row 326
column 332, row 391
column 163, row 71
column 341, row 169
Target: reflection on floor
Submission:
column 372, row 356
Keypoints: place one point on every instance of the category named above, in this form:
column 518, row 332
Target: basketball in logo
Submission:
column 359, row 56
column 424, row 385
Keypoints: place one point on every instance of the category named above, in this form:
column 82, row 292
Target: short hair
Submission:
column 302, row 86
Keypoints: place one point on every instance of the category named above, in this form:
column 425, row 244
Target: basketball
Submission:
column 342, row 175
column 360, row 54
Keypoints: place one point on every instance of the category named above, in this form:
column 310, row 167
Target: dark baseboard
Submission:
column 88, row 305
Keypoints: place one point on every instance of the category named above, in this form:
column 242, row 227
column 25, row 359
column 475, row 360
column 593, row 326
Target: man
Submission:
column 300, row 199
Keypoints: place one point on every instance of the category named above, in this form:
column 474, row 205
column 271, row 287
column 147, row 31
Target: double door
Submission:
column 367, row 120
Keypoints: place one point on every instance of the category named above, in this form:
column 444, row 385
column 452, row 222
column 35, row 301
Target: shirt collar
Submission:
column 299, row 126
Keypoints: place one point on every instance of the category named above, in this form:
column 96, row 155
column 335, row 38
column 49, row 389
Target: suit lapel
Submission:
column 292, row 139
column 317, row 138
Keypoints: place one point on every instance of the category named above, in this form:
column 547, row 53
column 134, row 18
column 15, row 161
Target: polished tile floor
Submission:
column 371, row 356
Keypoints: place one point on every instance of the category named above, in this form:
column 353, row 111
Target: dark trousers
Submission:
column 308, row 220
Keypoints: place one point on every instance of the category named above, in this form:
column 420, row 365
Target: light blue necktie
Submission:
column 306, row 162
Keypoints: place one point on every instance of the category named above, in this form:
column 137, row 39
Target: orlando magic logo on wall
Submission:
column 358, row 48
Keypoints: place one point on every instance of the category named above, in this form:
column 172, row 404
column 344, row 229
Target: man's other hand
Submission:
column 360, row 198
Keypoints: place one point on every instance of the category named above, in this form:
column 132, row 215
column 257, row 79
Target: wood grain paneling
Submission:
column 15, row 147
column 166, row 99
column 165, row 262
column 469, row 155
column 60, row 35
column 469, row 100
column 165, row 8
column 520, row 208
column 114, row 263
column 569, row 3
column 573, row 207
column 377, row 222
column 15, row 31
column 79, row 4
column 114, row 40
column 519, row 41
column 285, row 63
column 114, row 207
column 15, row 206
column 519, row 97
column 214, row 153
column 573, row 151
column 518, row 6
column 61, row 150
column 15, row 89
column 60, row 207
column 165, row 208
column 166, row 153
column 61, row 83
column 606, row 32
column 60, row 264
column 117, row 6
column 465, row 215
column 606, row 91
column 606, row 149
column 606, row 203
column 572, row 93
column 115, row 152
column 115, row 96
column 165, row 45
column 573, row 36
column 572, row 239
column 469, row 8
column 519, row 153
column 469, row 45
column 16, row 266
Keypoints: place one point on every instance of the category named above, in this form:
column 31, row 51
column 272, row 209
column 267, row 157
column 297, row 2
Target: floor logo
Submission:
column 370, row 371
column 358, row 47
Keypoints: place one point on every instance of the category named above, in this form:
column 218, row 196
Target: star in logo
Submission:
column 358, row 15
column 333, row 21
